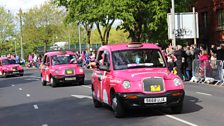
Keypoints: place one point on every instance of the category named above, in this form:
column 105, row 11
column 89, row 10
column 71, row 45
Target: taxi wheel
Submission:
column 96, row 103
column 177, row 109
column 82, row 82
column 117, row 107
column 4, row 75
column 53, row 83
column 44, row 83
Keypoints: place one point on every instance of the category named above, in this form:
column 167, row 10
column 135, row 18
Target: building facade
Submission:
column 211, row 21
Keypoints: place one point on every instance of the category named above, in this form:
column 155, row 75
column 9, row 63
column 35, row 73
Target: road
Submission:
column 25, row 102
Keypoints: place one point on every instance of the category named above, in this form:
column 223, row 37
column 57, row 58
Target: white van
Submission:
column 59, row 45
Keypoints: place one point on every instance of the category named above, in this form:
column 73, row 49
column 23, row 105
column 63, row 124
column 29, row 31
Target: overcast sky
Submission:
column 14, row 5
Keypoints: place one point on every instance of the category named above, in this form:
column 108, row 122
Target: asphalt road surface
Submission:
column 25, row 102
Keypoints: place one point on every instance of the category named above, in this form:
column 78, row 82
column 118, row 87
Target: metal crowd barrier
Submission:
column 197, row 71
column 208, row 71
column 213, row 71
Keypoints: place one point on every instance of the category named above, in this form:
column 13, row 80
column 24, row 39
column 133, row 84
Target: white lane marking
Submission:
column 203, row 93
column 20, row 89
column 181, row 120
column 35, row 106
column 13, row 85
column 44, row 125
column 34, row 77
column 27, row 95
column 82, row 96
column 86, row 86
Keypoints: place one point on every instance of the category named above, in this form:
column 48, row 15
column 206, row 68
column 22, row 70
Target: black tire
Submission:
column 82, row 82
column 117, row 106
column 177, row 109
column 4, row 75
column 21, row 74
column 96, row 103
column 44, row 83
column 53, row 83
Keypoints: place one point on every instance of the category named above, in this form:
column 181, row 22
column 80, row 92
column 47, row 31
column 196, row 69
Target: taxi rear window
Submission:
column 137, row 58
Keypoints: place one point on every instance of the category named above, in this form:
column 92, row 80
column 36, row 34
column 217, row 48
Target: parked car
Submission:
column 135, row 75
column 8, row 66
column 61, row 67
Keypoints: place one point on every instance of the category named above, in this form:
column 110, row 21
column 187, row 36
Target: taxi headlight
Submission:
column 176, row 81
column 81, row 70
column 126, row 84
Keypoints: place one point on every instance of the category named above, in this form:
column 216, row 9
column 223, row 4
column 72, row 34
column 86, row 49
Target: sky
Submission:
column 14, row 5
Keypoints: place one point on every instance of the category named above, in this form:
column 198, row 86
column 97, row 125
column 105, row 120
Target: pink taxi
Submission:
column 135, row 75
column 61, row 67
column 9, row 67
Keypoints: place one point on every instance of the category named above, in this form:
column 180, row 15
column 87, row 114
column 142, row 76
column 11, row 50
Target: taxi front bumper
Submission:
column 140, row 100
column 66, row 79
column 11, row 72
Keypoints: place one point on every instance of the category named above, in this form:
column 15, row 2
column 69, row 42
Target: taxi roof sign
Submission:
column 135, row 45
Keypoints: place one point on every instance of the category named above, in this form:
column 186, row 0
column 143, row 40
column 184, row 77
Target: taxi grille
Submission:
column 153, row 85
column 15, row 68
column 69, row 71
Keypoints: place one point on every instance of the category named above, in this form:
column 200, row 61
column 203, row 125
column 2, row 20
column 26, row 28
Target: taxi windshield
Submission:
column 8, row 61
column 63, row 59
column 137, row 58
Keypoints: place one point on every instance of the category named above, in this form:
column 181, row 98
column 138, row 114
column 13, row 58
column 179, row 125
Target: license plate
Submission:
column 155, row 88
column 69, row 72
column 16, row 72
column 155, row 100
column 71, row 78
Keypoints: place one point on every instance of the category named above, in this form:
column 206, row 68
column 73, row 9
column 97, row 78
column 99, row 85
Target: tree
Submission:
column 7, row 26
column 43, row 24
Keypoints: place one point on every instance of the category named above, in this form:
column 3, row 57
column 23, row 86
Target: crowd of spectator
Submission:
column 180, row 58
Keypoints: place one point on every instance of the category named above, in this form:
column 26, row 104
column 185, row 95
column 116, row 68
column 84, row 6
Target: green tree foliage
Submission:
column 44, row 25
column 7, row 29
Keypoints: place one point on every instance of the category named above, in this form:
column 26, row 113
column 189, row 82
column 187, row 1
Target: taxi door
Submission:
column 102, row 77
column 45, row 69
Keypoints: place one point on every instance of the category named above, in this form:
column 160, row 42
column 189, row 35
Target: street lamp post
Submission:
column 173, row 24
column 21, row 34
column 79, row 38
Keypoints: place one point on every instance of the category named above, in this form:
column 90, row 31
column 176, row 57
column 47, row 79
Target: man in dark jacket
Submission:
column 220, row 52
column 179, row 54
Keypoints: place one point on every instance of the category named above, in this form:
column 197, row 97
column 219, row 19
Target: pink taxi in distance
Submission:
column 60, row 67
column 9, row 67
column 135, row 75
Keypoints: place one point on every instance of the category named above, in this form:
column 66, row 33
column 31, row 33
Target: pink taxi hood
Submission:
column 138, row 74
column 65, row 66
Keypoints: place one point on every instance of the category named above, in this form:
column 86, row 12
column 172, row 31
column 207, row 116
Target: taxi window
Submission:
column 63, row 59
column 137, row 58
column 106, row 58
column 100, row 56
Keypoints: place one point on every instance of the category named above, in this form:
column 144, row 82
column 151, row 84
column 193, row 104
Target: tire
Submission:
column 4, row 75
column 117, row 107
column 177, row 109
column 53, row 83
column 44, row 83
column 21, row 74
column 96, row 103
column 82, row 82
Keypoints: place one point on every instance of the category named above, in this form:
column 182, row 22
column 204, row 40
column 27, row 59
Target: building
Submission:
column 211, row 21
